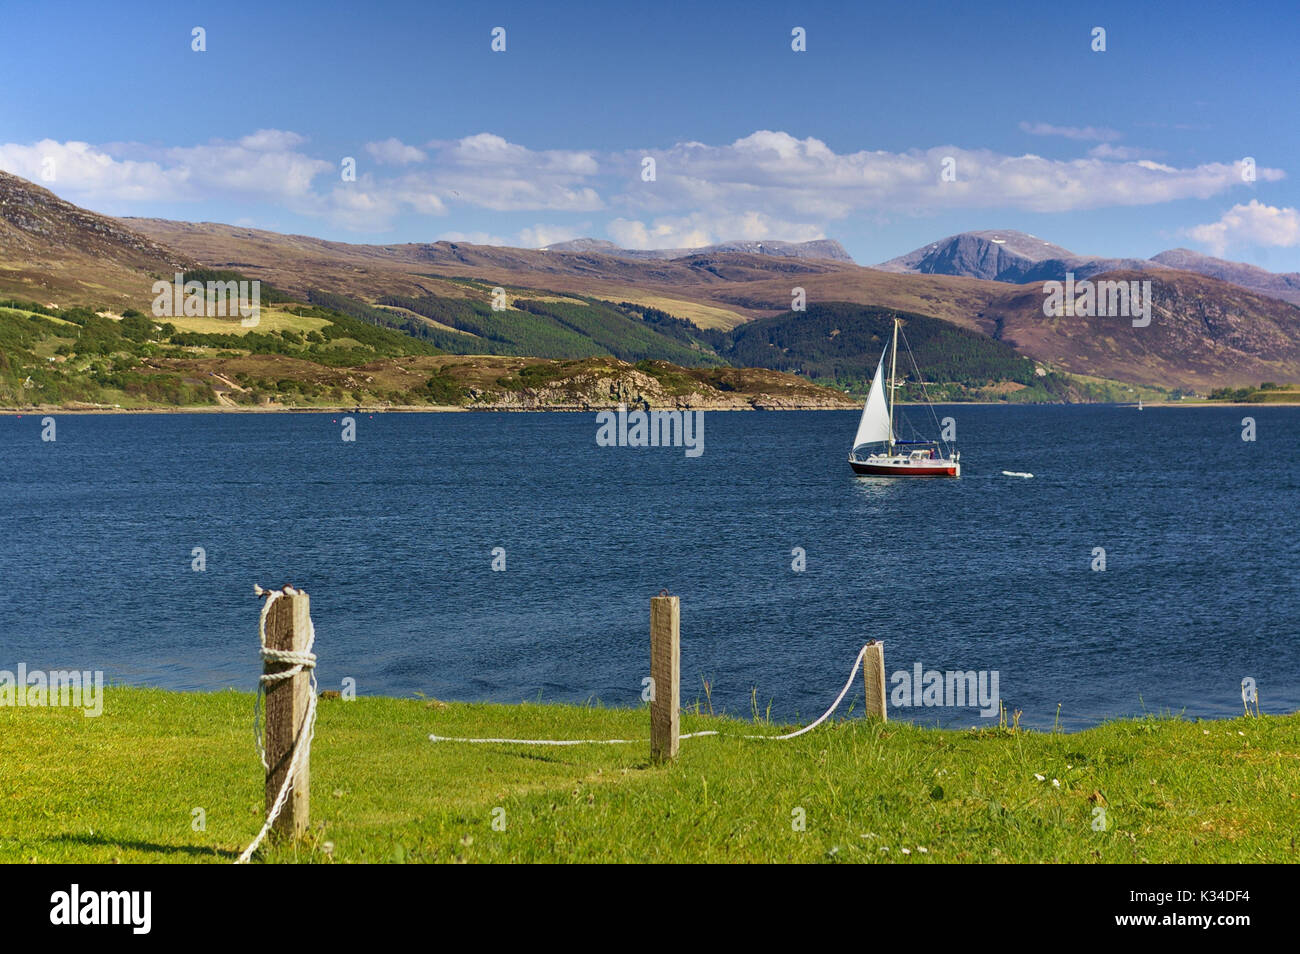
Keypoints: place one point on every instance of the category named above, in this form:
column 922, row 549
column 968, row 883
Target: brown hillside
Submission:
column 54, row 251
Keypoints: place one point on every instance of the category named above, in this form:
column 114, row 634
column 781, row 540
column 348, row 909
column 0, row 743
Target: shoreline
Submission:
column 403, row 409
column 1065, row 724
column 452, row 408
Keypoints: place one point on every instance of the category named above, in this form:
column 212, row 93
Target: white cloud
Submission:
column 473, row 238
column 258, row 166
column 356, row 205
column 663, row 233
column 81, row 169
column 697, row 229
column 235, row 169
column 485, row 150
column 487, row 171
column 1122, row 153
column 768, row 184
column 422, row 201
column 802, row 180
column 394, row 152
column 272, row 140
column 1084, row 133
column 539, row 236
column 1252, row 224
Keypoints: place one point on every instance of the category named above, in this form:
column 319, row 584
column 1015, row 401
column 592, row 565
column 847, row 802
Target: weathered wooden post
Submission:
column 873, row 678
column 288, row 623
column 665, row 676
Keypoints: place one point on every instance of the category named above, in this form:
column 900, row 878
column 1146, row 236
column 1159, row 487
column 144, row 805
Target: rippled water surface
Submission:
column 393, row 537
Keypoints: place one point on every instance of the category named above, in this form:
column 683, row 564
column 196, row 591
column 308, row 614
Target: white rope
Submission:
column 452, row 738
column 298, row 661
column 857, row 664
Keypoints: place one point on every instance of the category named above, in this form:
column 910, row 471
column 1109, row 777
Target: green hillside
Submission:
column 542, row 325
column 51, row 356
column 839, row 343
column 54, row 356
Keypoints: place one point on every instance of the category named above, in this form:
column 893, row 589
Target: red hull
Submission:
column 889, row 470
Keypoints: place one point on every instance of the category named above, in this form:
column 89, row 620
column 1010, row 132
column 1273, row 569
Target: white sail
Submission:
column 873, row 427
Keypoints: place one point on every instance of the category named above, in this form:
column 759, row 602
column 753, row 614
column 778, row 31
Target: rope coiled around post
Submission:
column 298, row 661
column 857, row 664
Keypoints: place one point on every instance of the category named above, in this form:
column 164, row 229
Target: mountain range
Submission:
column 827, row 249
column 1017, row 257
column 1004, row 255
column 1214, row 323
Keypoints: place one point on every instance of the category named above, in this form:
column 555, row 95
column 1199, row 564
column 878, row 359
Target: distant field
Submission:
column 1276, row 397
column 1119, row 392
column 11, row 312
column 704, row 316
column 1264, row 394
column 271, row 319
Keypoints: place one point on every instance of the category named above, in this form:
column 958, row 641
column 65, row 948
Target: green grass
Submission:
column 122, row 787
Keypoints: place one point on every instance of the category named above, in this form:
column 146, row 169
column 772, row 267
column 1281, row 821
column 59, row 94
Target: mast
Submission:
column 893, row 366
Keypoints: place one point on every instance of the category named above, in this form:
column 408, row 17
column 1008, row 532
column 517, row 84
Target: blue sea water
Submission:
column 393, row 537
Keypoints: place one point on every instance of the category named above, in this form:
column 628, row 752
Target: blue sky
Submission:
column 1124, row 152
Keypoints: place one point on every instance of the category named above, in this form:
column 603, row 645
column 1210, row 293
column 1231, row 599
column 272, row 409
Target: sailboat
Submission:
column 894, row 458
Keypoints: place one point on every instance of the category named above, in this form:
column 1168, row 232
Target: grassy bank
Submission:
column 124, row 786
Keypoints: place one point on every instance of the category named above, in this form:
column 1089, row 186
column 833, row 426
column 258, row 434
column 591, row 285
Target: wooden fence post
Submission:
column 287, row 626
column 873, row 678
column 665, row 676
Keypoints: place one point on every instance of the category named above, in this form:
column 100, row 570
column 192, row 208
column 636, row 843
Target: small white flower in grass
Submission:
column 1056, row 783
column 1241, row 733
column 328, row 847
column 922, row 849
column 1205, row 731
column 907, row 851
column 1041, row 778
